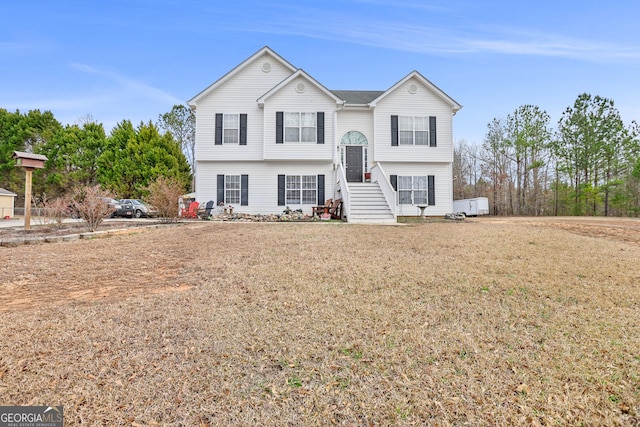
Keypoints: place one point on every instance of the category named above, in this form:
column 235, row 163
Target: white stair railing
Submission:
column 343, row 189
column 380, row 177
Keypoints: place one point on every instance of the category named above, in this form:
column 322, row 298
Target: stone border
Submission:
column 34, row 240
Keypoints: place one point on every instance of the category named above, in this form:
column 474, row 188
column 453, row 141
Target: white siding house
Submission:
column 269, row 136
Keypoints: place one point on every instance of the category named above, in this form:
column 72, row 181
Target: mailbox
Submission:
column 29, row 160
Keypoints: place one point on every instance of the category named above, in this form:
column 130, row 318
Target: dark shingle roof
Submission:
column 358, row 96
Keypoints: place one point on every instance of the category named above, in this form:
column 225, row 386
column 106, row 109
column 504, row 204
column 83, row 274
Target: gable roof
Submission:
column 358, row 97
column 435, row 89
column 265, row 50
column 299, row 73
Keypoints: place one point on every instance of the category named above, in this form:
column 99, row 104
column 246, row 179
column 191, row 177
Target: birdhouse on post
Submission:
column 29, row 162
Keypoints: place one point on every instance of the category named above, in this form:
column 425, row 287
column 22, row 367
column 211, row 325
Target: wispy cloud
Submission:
column 125, row 85
column 406, row 34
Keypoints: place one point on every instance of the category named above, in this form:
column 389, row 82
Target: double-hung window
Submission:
column 413, row 130
column 412, row 190
column 232, row 189
column 231, row 128
column 301, row 189
column 300, row 127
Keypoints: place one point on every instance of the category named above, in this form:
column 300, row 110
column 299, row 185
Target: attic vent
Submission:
column 266, row 67
column 300, row 87
column 412, row 88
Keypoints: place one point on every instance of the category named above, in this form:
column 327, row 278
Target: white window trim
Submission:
column 236, row 129
column 301, row 189
column 300, row 127
column 228, row 190
column 413, row 131
column 414, row 188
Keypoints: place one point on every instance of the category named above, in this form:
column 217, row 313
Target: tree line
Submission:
column 588, row 165
column 124, row 162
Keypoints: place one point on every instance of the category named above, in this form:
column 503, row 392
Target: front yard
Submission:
column 479, row 322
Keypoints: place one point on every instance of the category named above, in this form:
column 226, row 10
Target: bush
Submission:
column 90, row 205
column 163, row 196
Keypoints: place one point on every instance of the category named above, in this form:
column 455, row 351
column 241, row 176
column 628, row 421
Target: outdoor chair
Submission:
column 319, row 210
column 192, row 212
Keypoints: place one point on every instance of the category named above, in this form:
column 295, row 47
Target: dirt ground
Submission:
column 487, row 321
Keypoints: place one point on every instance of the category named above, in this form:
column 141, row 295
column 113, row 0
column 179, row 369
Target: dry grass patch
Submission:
column 470, row 323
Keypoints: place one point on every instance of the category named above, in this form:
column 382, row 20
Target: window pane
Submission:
column 292, row 119
column 422, row 138
column 292, row 134
column 232, row 181
column 293, row 182
column 293, row 197
column 231, row 121
column 308, row 135
column 405, row 123
column 231, row 136
column 420, row 182
column 308, row 119
column 421, row 123
column 404, row 183
column 309, row 182
column 405, row 137
column 309, row 197
column 404, row 197
column 420, row 197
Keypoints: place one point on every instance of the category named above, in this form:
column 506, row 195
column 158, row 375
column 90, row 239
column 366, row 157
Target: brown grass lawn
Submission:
column 480, row 322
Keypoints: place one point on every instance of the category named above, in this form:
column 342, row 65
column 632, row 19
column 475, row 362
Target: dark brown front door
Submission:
column 353, row 163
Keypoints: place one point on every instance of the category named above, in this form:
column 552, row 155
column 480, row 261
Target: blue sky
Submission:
column 135, row 59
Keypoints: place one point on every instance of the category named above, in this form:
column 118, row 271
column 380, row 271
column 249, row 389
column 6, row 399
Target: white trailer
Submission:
column 472, row 207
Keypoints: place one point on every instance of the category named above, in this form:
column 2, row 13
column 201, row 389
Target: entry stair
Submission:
column 368, row 204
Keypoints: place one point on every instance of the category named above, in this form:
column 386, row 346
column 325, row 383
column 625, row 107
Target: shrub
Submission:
column 90, row 205
column 163, row 196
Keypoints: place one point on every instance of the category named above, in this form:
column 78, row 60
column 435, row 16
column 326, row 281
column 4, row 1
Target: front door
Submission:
column 353, row 163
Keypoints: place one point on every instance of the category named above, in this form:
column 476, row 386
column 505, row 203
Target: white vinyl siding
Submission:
column 237, row 95
column 443, row 186
column 421, row 105
column 263, row 183
column 291, row 103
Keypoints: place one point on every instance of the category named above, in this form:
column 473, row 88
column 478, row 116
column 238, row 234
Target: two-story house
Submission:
column 268, row 136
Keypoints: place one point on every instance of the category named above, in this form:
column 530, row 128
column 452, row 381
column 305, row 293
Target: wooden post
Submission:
column 29, row 162
column 27, row 199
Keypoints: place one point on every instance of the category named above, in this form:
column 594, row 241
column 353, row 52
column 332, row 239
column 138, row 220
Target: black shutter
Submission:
column 394, row 131
column 243, row 129
column 320, row 190
column 320, row 127
column 218, row 140
column 244, row 190
column 281, row 190
column 279, row 127
column 220, row 189
column 431, row 185
column 394, row 181
column 432, row 132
